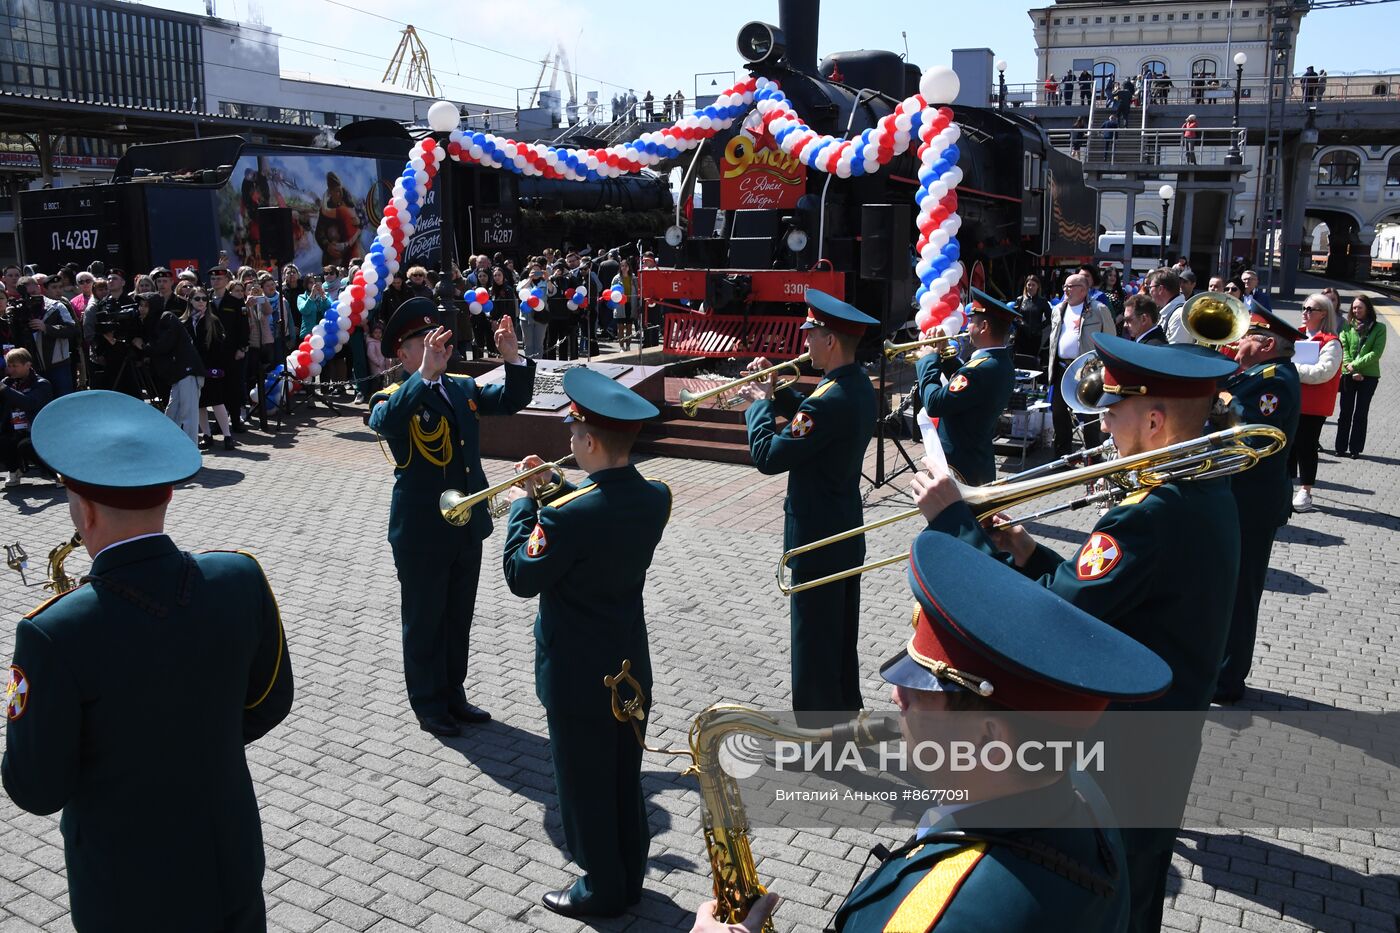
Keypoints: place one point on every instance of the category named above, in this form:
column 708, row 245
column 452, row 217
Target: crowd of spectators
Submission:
column 203, row 348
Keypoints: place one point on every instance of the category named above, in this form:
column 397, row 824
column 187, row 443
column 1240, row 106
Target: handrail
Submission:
column 1220, row 89
column 1209, row 146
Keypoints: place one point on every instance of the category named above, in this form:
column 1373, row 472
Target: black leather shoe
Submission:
column 228, row 443
column 467, row 712
column 565, row 904
column 439, row 725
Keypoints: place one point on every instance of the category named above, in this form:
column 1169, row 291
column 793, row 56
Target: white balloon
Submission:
column 420, row 178
column 922, row 268
column 510, row 150
column 938, row 190
column 474, row 307
column 443, row 116
column 939, row 239
column 317, row 341
column 939, row 288
column 317, row 355
column 385, row 240
column 953, row 323
column 954, row 176
column 940, row 85
column 342, row 337
column 843, row 169
column 401, row 203
column 456, row 136
column 371, row 289
column 953, row 133
column 903, row 122
column 369, row 273
column 592, row 162
column 417, row 163
column 927, row 300
column 871, row 166
column 475, row 152
column 901, row 140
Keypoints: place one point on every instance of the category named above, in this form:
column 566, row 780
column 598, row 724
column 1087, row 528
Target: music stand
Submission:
column 882, row 478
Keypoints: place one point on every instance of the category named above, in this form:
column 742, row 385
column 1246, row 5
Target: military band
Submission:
column 1115, row 627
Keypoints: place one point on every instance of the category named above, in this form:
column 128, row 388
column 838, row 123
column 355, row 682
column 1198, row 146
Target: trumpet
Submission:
column 690, row 401
column 895, row 350
column 456, row 506
column 1222, row 453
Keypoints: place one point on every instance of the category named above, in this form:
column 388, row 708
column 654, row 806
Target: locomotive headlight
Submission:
column 674, row 235
column 760, row 43
column 797, row 240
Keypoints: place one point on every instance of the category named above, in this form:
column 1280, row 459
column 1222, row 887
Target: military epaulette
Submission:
column 669, row 507
column 570, row 497
column 384, row 393
column 822, row 389
column 49, row 602
column 226, row 550
column 1268, row 372
column 975, row 362
column 459, row 379
column 1133, row 498
column 926, row 901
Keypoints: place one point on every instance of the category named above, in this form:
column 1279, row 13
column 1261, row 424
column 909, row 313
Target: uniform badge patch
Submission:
column 1099, row 555
column 1268, row 403
column 16, row 694
column 537, row 543
column 801, row 424
column 471, row 403
column 958, row 384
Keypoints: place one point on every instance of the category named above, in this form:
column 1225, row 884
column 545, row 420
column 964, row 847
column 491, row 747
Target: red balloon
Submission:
column 946, row 113
column 951, row 202
column 390, row 210
column 356, row 304
column 429, row 144
column 357, row 291
column 919, row 246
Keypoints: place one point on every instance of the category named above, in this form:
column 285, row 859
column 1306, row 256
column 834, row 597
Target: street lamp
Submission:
column 1234, row 156
column 1166, row 193
column 1001, row 84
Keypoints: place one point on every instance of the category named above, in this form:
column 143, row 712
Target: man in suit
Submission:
column 1140, row 321
column 132, row 696
column 585, row 552
column 821, row 448
column 1151, row 397
column 969, row 402
column 1254, row 296
column 1034, row 850
column 1265, row 391
column 1073, row 324
column 430, row 422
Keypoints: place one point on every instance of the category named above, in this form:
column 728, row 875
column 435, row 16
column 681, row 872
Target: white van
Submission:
column 1147, row 251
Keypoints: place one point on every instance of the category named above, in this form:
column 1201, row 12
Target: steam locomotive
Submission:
column 1024, row 205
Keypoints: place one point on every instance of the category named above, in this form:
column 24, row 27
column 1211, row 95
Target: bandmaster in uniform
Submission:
column 1129, row 571
column 132, row 696
column 821, row 449
column 585, row 553
column 1031, row 850
column 970, row 401
column 431, row 424
column 1265, row 391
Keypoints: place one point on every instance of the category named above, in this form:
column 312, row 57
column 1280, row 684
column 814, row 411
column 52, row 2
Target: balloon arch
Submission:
column 915, row 118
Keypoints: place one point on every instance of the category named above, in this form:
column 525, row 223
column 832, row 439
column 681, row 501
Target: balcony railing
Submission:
column 1195, row 92
column 1104, row 148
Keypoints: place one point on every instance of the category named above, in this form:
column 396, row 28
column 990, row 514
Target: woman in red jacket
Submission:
column 1319, row 383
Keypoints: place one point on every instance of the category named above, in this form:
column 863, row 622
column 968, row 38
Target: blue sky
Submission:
column 662, row 46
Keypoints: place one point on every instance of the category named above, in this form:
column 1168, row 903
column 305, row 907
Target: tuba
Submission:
column 725, row 822
column 1214, row 319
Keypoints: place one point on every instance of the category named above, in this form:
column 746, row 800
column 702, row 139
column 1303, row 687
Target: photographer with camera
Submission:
column 165, row 344
column 22, row 393
column 109, row 326
column 45, row 327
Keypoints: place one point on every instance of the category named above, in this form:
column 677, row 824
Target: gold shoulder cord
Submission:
column 433, row 446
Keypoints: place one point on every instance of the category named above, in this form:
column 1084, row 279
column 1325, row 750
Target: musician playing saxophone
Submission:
column 1027, row 850
column 1130, row 571
column 585, row 553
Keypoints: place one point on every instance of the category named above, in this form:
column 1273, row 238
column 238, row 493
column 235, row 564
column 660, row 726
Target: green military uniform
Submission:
column 132, row 696
column 969, row 405
column 1034, row 859
column 585, row 554
column 821, row 449
column 433, row 434
column 968, row 408
column 1160, row 567
column 1268, row 393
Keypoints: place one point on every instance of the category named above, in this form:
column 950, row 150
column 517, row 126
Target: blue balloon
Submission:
column 952, row 251
column 479, row 139
column 951, row 154
column 928, row 277
column 920, row 292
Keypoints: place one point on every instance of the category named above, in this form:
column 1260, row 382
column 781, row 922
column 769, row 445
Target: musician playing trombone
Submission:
column 821, row 449
column 969, row 402
column 1129, row 572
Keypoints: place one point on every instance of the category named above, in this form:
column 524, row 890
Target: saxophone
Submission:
column 58, row 580
column 726, row 825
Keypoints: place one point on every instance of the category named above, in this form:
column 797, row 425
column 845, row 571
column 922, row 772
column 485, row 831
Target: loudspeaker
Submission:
column 275, row 234
column 884, row 241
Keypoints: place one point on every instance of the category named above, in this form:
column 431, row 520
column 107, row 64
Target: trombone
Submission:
column 1215, row 319
column 456, row 506
column 1222, row 453
column 690, row 401
column 895, row 350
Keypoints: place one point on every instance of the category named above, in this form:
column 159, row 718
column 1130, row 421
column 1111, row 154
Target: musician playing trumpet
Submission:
column 969, row 401
column 821, row 449
column 585, row 553
column 1129, row 572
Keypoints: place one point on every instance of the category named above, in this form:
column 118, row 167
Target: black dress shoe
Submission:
column 228, row 443
column 239, row 427
column 565, row 904
column 466, row 712
column 439, row 725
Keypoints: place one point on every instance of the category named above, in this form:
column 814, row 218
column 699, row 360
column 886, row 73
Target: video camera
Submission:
column 121, row 321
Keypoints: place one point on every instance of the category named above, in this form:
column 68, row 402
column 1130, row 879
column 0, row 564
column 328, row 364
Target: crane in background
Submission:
column 414, row 55
column 559, row 59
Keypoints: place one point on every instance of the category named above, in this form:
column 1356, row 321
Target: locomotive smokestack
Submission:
column 798, row 20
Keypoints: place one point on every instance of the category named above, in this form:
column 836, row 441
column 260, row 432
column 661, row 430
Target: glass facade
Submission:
column 109, row 53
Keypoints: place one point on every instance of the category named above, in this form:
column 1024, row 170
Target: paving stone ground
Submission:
column 372, row 825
